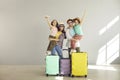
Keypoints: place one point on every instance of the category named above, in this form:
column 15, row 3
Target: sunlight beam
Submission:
column 101, row 67
column 59, row 78
column 113, row 49
column 101, row 60
column 109, row 25
column 109, row 52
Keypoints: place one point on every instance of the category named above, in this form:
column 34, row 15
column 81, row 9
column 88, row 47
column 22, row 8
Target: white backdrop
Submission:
column 24, row 31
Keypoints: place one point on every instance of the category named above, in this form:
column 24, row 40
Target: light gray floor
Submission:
column 36, row 72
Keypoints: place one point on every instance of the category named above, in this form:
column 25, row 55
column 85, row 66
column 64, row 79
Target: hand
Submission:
column 46, row 17
column 51, row 39
column 73, row 39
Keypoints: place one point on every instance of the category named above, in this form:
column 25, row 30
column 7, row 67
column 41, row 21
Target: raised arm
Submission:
column 48, row 21
column 52, row 39
column 83, row 17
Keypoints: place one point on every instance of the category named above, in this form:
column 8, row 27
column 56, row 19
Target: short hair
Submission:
column 61, row 25
column 69, row 20
column 78, row 19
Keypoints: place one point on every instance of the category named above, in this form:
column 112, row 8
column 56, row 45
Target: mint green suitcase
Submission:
column 52, row 65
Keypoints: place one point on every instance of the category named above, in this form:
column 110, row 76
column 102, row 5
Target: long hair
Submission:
column 63, row 31
column 56, row 24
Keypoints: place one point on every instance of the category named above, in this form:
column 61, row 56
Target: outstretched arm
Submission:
column 48, row 21
column 83, row 17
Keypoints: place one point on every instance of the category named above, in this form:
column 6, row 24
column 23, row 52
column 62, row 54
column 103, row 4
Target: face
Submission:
column 70, row 23
column 54, row 23
column 61, row 28
column 76, row 22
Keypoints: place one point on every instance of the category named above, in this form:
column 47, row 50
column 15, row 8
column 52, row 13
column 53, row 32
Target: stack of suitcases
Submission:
column 76, row 65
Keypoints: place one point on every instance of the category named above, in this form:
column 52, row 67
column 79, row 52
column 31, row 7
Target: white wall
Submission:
column 24, row 32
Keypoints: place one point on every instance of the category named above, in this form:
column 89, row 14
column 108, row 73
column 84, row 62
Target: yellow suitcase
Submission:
column 79, row 64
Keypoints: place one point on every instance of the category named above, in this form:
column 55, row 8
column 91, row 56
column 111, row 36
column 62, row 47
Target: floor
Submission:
column 36, row 72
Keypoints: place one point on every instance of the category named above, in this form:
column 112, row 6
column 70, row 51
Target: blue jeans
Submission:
column 58, row 49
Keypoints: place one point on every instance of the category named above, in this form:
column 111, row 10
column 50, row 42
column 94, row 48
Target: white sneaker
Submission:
column 73, row 50
column 48, row 52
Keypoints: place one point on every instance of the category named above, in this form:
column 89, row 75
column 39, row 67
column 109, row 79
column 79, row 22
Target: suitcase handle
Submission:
column 64, row 49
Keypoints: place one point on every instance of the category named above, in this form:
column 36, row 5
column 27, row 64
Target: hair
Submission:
column 69, row 20
column 63, row 31
column 78, row 19
column 53, row 21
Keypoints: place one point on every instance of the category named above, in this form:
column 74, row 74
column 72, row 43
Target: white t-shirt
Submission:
column 70, row 34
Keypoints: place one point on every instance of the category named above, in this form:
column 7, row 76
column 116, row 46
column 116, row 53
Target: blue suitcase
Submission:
column 52, row 65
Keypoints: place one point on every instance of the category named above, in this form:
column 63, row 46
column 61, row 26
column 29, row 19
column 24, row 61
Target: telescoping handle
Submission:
column 64, row 49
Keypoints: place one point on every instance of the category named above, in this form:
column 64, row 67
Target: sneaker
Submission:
column 73, row 50
column 48, row 53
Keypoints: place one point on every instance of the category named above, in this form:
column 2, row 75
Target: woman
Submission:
column 59, row 44
column 53, row 25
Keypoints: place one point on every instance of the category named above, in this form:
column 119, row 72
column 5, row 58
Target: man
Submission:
column 70, row 33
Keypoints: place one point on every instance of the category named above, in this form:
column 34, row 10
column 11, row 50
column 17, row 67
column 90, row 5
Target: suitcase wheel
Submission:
column 72, row 75
column 47, row 75
column 85, row 76
column 61, row 75
column 69, row 75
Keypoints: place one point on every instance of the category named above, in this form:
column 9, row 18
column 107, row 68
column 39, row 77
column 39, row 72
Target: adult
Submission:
column 59, row 44
column 69, row 34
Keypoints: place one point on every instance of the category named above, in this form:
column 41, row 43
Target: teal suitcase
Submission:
column 52, row 65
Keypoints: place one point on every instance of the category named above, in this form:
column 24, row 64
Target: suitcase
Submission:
column 66, row 54
column 79, row 64
column 52, row 65
column 65, row 67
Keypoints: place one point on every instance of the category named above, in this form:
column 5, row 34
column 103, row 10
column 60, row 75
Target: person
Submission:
column 69, row 34
column 78, row 30
column 59, row 44
column 53, row 25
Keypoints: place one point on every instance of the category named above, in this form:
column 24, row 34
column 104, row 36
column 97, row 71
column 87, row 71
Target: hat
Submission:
column 61, row 23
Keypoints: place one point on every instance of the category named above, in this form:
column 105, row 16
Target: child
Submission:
column 78, row 31
column 54, row 29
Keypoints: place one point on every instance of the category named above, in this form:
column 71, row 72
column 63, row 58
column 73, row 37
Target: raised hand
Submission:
column 46, row 17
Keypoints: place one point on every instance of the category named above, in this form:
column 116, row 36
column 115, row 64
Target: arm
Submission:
column 61, row 37
column 68, row 34
column 83, row 17
column 48, row 21
column 69, row 37
column 51, row 39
